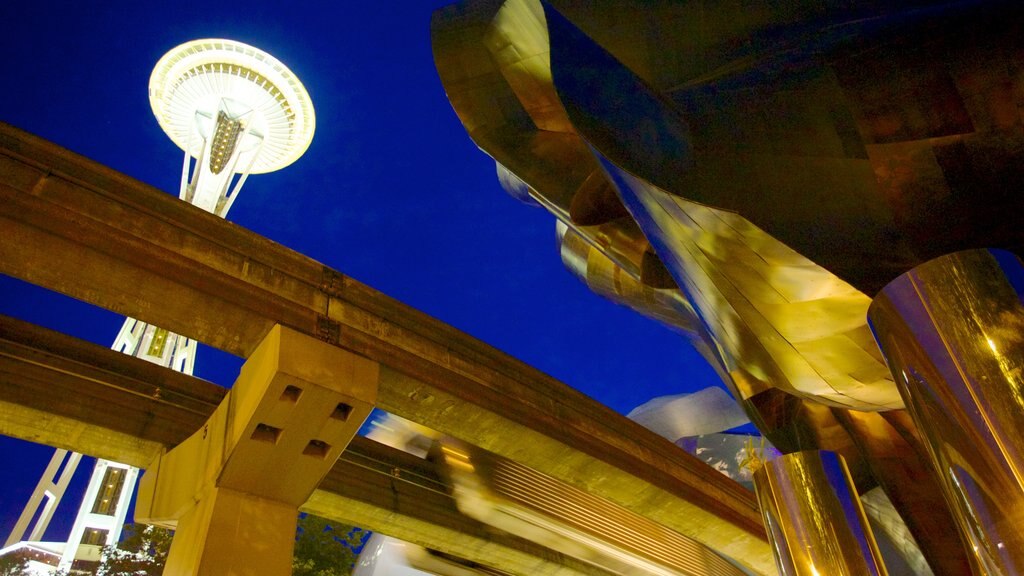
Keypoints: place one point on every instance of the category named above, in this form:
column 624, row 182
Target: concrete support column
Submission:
column 814, row 518
column 231, row 532
column 952, row 331
column 232, row 490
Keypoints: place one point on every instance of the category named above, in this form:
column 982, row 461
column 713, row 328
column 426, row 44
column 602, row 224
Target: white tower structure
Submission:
column 234, row 110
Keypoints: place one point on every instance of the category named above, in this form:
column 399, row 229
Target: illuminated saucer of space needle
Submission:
column 198, row 78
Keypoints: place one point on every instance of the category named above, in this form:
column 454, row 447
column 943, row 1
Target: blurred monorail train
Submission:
column 529, row 504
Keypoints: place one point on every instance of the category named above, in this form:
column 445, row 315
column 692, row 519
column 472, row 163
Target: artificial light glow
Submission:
column 457, row 458
column 199, row 73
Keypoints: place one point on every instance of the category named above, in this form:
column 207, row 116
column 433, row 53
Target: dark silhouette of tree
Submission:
column 13, row 565
column 142, row 550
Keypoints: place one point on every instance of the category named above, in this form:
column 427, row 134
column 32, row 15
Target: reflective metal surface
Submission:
column 751, row 177
column 952, row 330
column 814, row 518
column 880, row 449
column 887, row 524
column 684, row 416
column 778, row 320
column 767, row 314
column 625, row 285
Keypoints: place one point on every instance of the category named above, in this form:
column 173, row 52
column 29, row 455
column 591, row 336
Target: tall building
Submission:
column 234, row 110
column 762, row 179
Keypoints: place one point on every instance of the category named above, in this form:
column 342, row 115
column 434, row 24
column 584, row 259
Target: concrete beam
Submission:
column 117, row 405
column 63, row 392
column 168, row 263
column 294, row 408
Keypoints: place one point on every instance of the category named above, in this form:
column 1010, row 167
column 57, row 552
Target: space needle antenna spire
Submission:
column 234, row 110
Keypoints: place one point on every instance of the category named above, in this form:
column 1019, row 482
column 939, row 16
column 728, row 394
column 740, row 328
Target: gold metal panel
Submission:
column 774, row 320
column 952, row 330
column 880, row 448
column 607, row 279
column 798, row 346
column 837, row 359
column 519, row 44
column 894, row 452
column 550, row 166
column 757, row 297
column 814, row 517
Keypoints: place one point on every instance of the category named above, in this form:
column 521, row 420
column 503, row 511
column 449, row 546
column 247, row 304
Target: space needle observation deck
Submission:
column 234, row 110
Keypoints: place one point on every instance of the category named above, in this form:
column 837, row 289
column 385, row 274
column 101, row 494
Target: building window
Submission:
column 95, row 537
column 110, row 492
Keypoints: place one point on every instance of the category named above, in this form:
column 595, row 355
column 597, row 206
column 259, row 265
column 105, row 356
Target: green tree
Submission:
column 325, row 548
column 142, row 550
column 13, row 565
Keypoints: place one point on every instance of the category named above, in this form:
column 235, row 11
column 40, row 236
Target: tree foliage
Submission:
column 324, row 548
column 13, row 565
column 142, row 550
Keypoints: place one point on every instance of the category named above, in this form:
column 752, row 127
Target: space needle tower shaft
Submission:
column 234, row 110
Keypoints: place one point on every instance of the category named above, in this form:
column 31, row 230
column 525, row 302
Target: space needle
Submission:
column 234, row 110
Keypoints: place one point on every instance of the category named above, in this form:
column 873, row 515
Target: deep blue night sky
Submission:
column 392, row 191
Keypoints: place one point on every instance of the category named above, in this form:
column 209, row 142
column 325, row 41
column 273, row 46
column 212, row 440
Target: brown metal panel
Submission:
column 951, row 331
column 814, row 517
